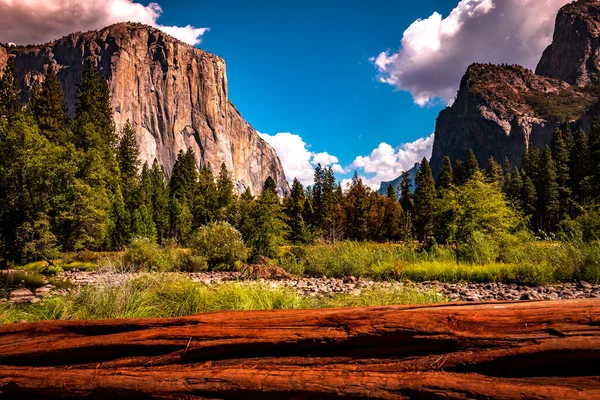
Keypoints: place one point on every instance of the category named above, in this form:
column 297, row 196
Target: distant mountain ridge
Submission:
column 383, row 187
column 175, row 95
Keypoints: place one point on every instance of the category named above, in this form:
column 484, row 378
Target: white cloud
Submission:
column 338, row 169
column 40, row 21
column 297, row 161
column 386, row 163
column 435, row 52
column 325, row 159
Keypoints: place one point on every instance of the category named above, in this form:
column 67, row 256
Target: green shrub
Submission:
column 479, row 250
column 192, row 263
column 220, row 244
column 145, row 255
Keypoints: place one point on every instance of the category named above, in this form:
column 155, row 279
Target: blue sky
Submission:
column 351, row 83
column 303, row 67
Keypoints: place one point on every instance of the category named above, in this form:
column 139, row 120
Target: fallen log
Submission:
column 538, row 350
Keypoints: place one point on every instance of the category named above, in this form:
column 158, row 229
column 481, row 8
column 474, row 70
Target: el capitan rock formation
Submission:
column 175, row 95
column 502, row 110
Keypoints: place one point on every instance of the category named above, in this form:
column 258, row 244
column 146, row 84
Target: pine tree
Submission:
column 48, row 108
column 270, row 185
column 507, row 172
column 406, row 197
column 548, row 194
column 446, row 178
column 294, row 210
column 494, row 173
column 472, row 170
column 128, row 155
column 181, row 221
column 531, row 163
column 309, row 213
column 514, row 189
column 560, row 155
column 143, row 214
column 391, row 192
column 160, row 200
column 205, row 200
column 594, row 157
column 266, row 228
column 424, row 199
column 225, row 207
column 528, row 195
column 9, row 92
column 93, row 125
column 356, row 209
column 184, row 177
column 579, row 167
column 392, row 221
column 459, row 172
column 183, row 189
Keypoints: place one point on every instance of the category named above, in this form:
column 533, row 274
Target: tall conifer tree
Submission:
column 424, row 199
column 446, row 178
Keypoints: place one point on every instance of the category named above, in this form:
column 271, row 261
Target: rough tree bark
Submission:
column 534, row 350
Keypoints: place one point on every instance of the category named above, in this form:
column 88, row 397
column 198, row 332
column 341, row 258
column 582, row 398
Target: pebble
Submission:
column 319, row 287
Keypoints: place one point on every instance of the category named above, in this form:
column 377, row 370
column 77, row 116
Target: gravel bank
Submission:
column 352, row 285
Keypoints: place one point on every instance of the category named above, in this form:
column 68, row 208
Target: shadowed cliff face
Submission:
column 502, row 110
column 574, row 55
column 174, row 94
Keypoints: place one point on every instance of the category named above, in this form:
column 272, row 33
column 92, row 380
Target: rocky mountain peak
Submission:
column 574, row 55
column 175, row 95
column 501, row 110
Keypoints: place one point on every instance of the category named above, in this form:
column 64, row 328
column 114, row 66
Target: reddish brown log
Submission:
column 496, row 350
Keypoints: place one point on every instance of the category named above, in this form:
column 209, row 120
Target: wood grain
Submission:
column 511, row 350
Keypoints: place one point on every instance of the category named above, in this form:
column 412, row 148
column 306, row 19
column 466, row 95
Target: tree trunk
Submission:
column 533, row 350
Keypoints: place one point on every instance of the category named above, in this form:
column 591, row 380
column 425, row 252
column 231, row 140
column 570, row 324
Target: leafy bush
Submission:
column 192, row 263
column 479, row 250
column 145, row 255
column 220, row 244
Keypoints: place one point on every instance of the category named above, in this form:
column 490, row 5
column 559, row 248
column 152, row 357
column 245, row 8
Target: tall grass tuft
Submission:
column 168, row 295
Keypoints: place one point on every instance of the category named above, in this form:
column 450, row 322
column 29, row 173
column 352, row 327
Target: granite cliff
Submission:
column 502, row 110
column 175, row 95
column 574, row 55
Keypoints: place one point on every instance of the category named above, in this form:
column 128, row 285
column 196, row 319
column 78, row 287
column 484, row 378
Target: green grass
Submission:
column 166, row 295
column 527, row 262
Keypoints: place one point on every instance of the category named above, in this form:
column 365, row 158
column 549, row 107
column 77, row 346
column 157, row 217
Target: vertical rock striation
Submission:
column 574, row 55
column 502, row 110
column 174, row 94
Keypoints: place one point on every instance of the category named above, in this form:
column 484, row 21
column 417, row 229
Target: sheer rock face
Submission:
column 502, row 110
column 175, row 95
column 574, row 55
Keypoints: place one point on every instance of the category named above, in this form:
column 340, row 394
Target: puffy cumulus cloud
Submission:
column 297, row 160
column 436, row 51
column 294, row 155
column 39, row 21
column 324, row 159
column 386, row 163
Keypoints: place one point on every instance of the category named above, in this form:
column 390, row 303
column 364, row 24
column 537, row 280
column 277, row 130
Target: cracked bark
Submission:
column 458, row 351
